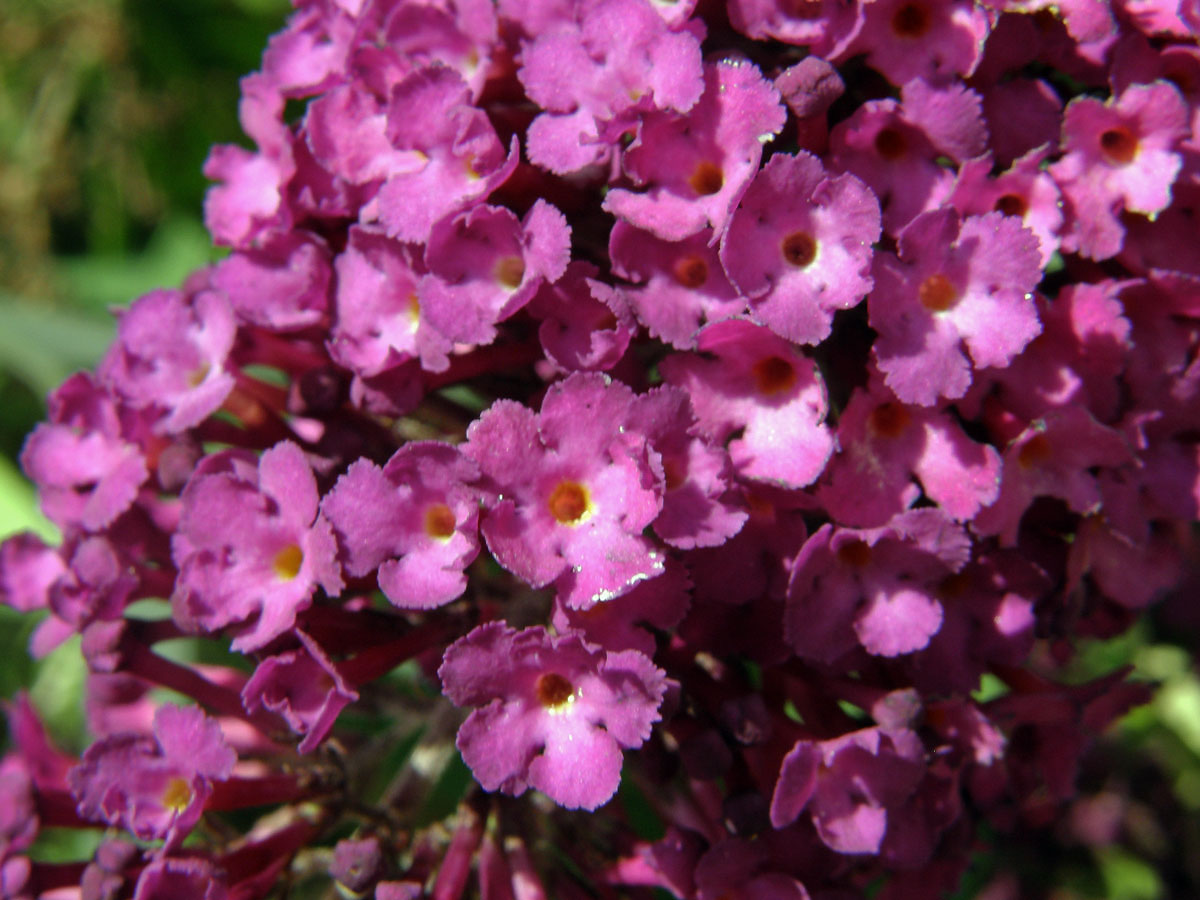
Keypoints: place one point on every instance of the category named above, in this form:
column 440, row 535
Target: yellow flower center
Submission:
column 510, row 272
column 288, row 561
column 177, row 795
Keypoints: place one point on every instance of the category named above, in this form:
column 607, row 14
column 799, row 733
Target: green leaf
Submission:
column 18, row 505
column 42, row 346
column 1126, row 877
column 448, row 791
column 57, row 692
column 178, row 247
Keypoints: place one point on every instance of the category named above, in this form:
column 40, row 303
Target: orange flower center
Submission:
column 674, row 472
column 553, row 691
column 707, row 178
column 937, row 293
column 774, row 375
column 890, row 143
column 177, row 795
column 910, row 21
column 1119, row 144
column 799, row 249
column 197, row 375
column 691, row 272
column 855, row 554
column 1035, row 452
column 439, row 521
column 890, row 419
column 1011, row 205
column 569, row 502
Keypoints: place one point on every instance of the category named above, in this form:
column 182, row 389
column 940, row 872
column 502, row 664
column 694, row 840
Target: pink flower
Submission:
column 251, row 547
column 551, row 712
column 953, row 283
column 754, row 382
column 574, row 490
column 414, row 520
column 154, row 786
column 695, row 167
column 799, row 246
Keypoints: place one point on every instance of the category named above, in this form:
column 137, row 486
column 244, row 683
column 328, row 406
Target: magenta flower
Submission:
column 1119, row 155
column 757, row 383
column 415, row 520
column 1025, row 192
column 876, row 588
column 154, row 786
column 581, row 283
column 86, row 468
column 895, row 147
column 575, row 490
column 380, row 321
column 886, row 444
column 799, row 246
column 170, row 354
column 249, row 199
column 679, row 285
column 953, row 283
column 551, row 712
column 695, row 167
column 251, row 547
column 586, row 325
column 430, row 114
column 623, row 59
column 485, row 265
column 849, row 784
column 282, row 285
column 929, row 39
column 304, row 686
column 183, row 878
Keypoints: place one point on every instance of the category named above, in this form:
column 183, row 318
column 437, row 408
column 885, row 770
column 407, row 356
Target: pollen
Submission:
column 510, row 272
column 691, row 272
column 197, row 375
column 1035, row 452
column 707, row 178
column 177, row 795
column 674, row 472
column 799, row 249
column 288, row 561
column 890, row 144
column 911, row 21
column 889, row 420
column 937, row 293
column 1011, row 205
column 1119, row 145
column 856, row 554
column 553, row 691
column 439, row 521
column 774, row 375
column 569, row 502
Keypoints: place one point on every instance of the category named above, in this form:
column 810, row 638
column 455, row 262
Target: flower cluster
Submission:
column 691, row 399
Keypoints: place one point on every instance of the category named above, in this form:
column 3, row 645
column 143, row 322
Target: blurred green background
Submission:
column 107, row 111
